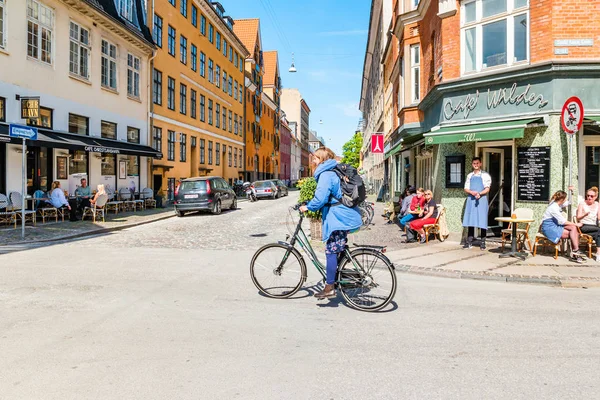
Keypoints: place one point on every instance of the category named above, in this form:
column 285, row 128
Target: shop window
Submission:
column 40, row 35
column 108, row 130
column 133, row 135
column 133, row 166
column 2, row 109
column 79, row 54
column 78, row 162
column 79, row 125
column 425, row 168
column 455, row 171
column 108, row 165
column 133, row 76
column 494, row 33
column 45, row 119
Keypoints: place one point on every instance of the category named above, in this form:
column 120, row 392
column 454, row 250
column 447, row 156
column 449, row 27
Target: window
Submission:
column 235, row 157
column 79, row 55
column 108, row 167
column 218, row 117
column 183, row 7
column 133, row 135
column 171, row 93
column 210, row 152
column 157, row 87
column 202, row 144
column 133, row 76
column 133, row 165
column 194, row 139
column 108, row 130
column 225, row 47
column 218, row 76
column 171, row 146
column 230, row 155
column 415, row 73
column 202, row 64
column 210, row 71
column 78, row 124
column 78, row 163
column 210, row 112
column 45, row 119
column 193, row 103
column 502, row 40
column 218, row 154
column 202, row 110
column 230, row 54
column 235, row 90
column 109, row 65
column 183, row 49
column 235, row 124
column 240, row 96
column 40, row 23
column 455, row 171
column 224, row 119
column 172, row 36
column 2, row 109
column 125, row 9
column 230, row 85
column 240, row 162
column 172, row 2
column 225, row 81
column 2, row 24
column 211, row 33
column 182, row 147
column 157, row 30
column 194, row 56
column 182, row 99
column 235, row 60
column 203, row 25
column 241, row 65
column 157, row 139
column 194, row 16
column 218, row 44
column 230, row 121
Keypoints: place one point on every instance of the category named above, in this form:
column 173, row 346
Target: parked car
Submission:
column 210, row 193
column 282, row 189
column 265, row 189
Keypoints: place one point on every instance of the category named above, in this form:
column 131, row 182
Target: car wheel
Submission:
column 234, row 204
column 217, row 208
column 180, row 213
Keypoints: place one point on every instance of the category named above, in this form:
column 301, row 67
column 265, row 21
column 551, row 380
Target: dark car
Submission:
column 265, row 189
column 210, row 193
column 282, row 189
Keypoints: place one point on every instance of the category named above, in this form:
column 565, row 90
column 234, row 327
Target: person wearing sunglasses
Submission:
column 556, row 227
column 426, row 217
column 588, row 213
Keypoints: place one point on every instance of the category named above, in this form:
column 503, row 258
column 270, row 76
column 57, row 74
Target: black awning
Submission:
column 62, row 140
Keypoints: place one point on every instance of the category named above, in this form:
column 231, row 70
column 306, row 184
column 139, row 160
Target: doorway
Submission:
column 39, row 169
column 497, row 161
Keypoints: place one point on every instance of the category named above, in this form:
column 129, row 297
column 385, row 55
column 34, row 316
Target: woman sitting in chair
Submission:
column 426, row 217
column 556, row 227
column 588, row 213
column 99, row 192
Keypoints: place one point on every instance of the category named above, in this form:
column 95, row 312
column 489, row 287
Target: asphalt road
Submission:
column 168, row 311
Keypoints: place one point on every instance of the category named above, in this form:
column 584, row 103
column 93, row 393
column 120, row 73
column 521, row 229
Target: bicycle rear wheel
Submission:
column 277, row 270
column 372, row 285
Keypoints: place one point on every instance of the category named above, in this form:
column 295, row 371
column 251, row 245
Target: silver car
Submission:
column 265, row 189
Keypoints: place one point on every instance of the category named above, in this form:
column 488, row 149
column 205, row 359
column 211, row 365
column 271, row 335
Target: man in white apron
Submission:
column 477, row 186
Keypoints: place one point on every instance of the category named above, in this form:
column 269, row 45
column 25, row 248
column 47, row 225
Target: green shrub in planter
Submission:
column 308, row 186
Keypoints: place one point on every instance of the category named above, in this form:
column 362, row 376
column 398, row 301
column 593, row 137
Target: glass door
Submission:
column 493, row 164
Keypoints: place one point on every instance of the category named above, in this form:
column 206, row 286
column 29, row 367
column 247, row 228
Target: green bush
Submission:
column 308, row 186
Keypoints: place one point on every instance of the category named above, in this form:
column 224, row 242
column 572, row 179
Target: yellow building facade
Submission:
column 261, row 111
column 197, row 107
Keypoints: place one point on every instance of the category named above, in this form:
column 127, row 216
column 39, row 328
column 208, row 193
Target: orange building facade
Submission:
column 197, row 107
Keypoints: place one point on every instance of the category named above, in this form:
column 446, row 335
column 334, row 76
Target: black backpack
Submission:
column 352, row 185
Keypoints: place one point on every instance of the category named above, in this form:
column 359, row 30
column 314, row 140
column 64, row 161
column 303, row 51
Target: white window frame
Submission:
column 479, row 23
column 77, row 43
column 415, row 73
column 133, row 75
column 3, row 21
column 111, row 62
column 125, row 9
column 42, row 27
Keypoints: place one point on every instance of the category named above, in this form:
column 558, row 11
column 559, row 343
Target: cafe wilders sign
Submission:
column 515, row 96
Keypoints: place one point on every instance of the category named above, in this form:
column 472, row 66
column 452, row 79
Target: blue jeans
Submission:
column 406, row 219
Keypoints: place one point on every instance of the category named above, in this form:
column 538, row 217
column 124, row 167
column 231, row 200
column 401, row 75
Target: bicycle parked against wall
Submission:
column 366, row 278
column 367, row 212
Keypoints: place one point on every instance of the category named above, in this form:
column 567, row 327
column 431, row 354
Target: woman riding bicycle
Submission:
column 337, row 219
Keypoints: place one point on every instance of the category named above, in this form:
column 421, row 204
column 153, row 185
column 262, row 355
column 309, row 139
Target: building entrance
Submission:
column 497, row 161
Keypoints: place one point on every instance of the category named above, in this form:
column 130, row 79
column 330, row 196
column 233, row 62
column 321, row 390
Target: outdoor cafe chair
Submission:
column 141, row 204
column 522, row 233
column 435, row 227
column 149, row 198
column 6, row 217
column 540, row 238
column 113, row 204
column 585, row 238
column 127, row 198
column 44, row 209
column 17, row 204
column 97, row 208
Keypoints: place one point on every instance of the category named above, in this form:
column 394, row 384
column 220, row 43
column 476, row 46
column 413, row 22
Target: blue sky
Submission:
column 328, row 38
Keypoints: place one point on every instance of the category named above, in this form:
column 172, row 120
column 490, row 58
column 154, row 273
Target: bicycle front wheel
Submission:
column 368, row 283
column 277, row 270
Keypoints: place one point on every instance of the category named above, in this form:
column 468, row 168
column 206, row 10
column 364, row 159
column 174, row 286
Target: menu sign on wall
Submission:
column 533, row 173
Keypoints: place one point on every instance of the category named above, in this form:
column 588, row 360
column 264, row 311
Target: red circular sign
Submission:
column 571, row 117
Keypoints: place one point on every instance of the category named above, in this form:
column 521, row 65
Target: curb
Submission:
column 92, row 233
column 581, row 283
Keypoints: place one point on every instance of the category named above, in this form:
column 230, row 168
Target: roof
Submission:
column 271, row 67
column 138, row 26
column 247, row 31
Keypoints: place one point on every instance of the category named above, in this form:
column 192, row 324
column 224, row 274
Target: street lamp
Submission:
column 293, row 67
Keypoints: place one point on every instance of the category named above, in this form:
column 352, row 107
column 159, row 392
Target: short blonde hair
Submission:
column 324, row 153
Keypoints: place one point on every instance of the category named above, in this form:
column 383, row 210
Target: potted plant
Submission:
column 308, row 186
column 159, row 196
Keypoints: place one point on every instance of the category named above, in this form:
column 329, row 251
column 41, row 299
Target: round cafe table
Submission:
column 513, row 245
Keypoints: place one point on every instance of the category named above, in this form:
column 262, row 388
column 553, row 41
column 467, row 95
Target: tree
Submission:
column 351, row 150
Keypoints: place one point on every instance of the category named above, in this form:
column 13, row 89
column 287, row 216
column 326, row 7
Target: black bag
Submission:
column 352, row 185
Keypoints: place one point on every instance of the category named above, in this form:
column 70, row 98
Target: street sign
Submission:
column 23, row 132
column 377, row 144
column 30, row 107
column 572, row 115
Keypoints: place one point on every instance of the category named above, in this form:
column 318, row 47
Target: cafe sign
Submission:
column 30, row 107
column 99, row 149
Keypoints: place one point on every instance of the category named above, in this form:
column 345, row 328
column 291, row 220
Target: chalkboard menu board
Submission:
column 533, row 173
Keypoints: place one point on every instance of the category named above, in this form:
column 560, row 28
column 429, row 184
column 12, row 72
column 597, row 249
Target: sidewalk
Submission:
column 51, row 231
column 449, row 259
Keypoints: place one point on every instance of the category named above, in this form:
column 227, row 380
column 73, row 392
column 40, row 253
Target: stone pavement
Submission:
column 449, row 259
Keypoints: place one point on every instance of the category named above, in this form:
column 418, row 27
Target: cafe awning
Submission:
column 62, row 140
column 394, row 150
column 479, row 132
column 592, row 118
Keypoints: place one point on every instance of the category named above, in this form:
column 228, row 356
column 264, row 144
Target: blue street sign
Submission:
column 25, row 132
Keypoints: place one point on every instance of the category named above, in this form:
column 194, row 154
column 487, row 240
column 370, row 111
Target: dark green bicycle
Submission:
column 366, row 278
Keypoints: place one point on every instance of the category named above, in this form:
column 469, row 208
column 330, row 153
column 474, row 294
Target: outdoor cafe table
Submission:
column 513, row 245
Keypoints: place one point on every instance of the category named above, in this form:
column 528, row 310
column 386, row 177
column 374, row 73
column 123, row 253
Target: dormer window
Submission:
column 125, row 9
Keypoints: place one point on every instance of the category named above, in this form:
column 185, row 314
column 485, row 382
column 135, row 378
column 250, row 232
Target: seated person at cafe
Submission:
column 83, row 193
column 426, row 217
column 99, row 192
column 58, row 199
column 416, row 206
